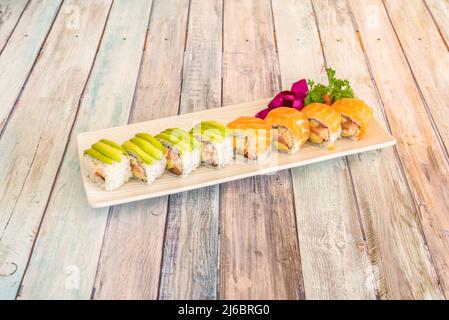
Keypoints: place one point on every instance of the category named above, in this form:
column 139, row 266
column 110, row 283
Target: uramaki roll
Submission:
column 325, row 124
column 355, row 115
column 291, row 128
column 251, row 137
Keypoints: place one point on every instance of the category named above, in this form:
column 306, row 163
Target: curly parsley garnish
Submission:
column 337, row 89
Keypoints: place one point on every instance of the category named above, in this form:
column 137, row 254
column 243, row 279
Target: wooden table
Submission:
column 370, row 226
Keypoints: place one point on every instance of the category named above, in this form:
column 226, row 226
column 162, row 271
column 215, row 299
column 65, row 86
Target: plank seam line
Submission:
column 22, row 89
column 418, row 87
column 15, row 26
column 443, row 38
column 349, row 174
column 167, row 213
column 290, row 171
column 63, row 154
column 220, row 199
column 400, row 163
column 111, row 209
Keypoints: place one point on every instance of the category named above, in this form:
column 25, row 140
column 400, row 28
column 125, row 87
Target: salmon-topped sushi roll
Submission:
column 107, row 164
column 325, row 124
column 355, row 115
column 216, row 143
column 251, row 137
column 183, row 151
column 291, row 128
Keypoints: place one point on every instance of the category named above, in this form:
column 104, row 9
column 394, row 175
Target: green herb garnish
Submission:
column 337, row 89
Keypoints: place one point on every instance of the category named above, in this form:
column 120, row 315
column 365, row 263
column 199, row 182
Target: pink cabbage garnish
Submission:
column 292, row 99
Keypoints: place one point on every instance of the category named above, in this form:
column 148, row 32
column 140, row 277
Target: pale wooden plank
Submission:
column 259, row 256
column 396, row 247
column 54, row 268
column 190, row 262
column 333, row 254
column 34, row 142
column 440, row 12
column 10, row 12
column 21, row 51
column 424, row 161
column 132, row 249
column 427, row 56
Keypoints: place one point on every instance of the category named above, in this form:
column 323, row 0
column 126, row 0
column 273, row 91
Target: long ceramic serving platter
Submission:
column 376, row 138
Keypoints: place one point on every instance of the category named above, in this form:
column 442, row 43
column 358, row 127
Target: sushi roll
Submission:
column 325, row 124
column 251, row 137
column 183, row 151
column 147, row 157
column 355, row 115
column 216, row 143
column 291, row 129
column 107, row 164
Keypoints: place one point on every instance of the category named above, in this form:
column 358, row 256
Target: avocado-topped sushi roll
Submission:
column 147, row 157
column 291, row 129
column 251, row 137
column 183, row 151
column 107, row 164
column 325, row 124
column 355, row 115
column 215, row 142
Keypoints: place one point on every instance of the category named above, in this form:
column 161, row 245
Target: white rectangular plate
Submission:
column 376, row 138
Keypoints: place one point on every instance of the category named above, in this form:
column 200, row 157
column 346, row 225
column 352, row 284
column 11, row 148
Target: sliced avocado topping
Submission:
column 152, row 140
column 181, row 145
column 315, row 138
column 280, row 146
column 183, row 136
column 148, row 148
column 112, row 144
column 108, row 151
column 97, row 155
column 217, row 125
column 135, row 150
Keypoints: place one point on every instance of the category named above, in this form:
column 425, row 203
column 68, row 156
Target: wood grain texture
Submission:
column 333, row 254
column 427, row 56
column 424, row 161
column 133, row 244
column 190, row 262
column 61, row 267
column 32, row 147
column 259, row 255
column 20, row 53
column 440, row 12
column 396, row 247
column 10, row 12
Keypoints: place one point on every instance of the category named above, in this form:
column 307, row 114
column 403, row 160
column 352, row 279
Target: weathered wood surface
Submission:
column 419, row 148
column 21, row 51
column 259, row 256
column 31, row 148
column 333, row 255
column 190, row 262
column 400, row 259
column 10, row 13
column 133, row 245
column 376, row 229
column 440, row 12
column 71, row 266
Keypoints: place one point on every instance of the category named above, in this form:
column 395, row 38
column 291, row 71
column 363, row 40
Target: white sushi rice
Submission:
column 252, row 148
column 115, row 174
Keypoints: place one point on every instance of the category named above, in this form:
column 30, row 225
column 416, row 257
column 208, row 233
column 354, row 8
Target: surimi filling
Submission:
column 209, row 153
column 319, row 133
column 137, row 169
column 174, row 162
column 349, row 127
column 284, row 137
